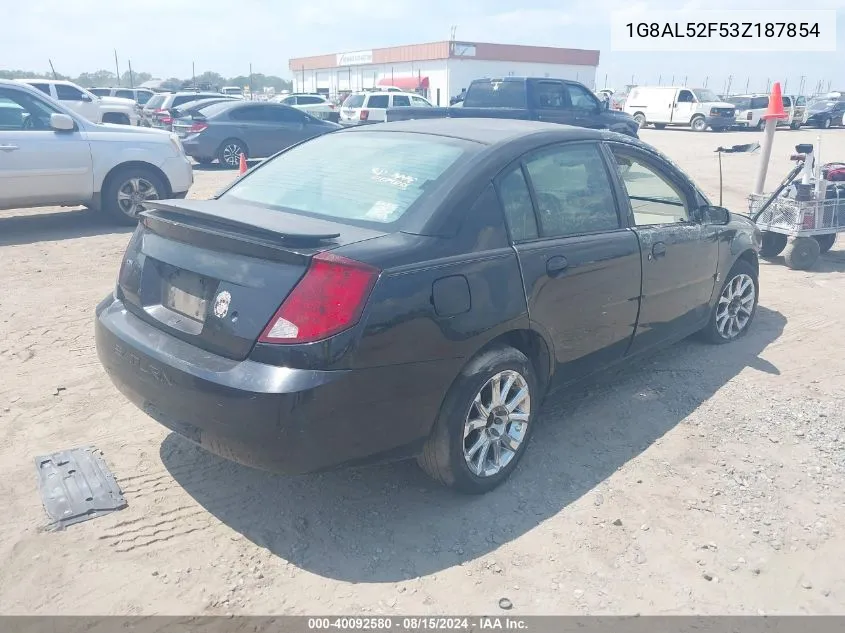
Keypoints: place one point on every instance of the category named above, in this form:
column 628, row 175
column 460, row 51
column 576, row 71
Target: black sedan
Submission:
column 826, row 113
column 227, row 129
column 413, row 289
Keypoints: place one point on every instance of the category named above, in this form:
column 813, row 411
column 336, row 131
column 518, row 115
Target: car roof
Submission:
column 485, row 131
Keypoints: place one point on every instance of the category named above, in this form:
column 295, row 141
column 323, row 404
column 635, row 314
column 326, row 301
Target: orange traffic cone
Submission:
column 242, row 167
column 775, row 109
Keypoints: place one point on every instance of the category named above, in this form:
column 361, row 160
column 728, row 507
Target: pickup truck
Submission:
column 535, row 99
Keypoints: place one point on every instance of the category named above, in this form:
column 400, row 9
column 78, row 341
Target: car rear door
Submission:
column 586, row 107
column 285, row 127
column 550, row 100
column 580, row 264
column 376, row 107
column 39, row 165
column 679, row 254
column 249, row 124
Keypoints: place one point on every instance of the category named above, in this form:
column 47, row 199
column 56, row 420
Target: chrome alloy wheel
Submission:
column 133, row 193
column 735, row 307
column 497, row 423
column 232, row 154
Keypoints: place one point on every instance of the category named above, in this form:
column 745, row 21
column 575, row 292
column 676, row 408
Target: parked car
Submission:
column 751, row 108
column 826, row 112
column 551, row 100
column 50, row 155
column 151, row 108
column 138, row 95
column 316, row 105
column 233, row 91
column 796, row 108
column 87, row 104
column 224, row 131
column 371, row 107
column 162, row 113
column 698, row 108
column 450, row 270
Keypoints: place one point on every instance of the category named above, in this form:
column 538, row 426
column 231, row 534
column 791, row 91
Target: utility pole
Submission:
column 250, row 81
column 801, row 86
column 605, row 80
column 705, row 80
column 194, row 74
column 728, row 85
column 131, row 76
column 116, row 67
column 673, row 81
column 768, row 84
column 747, row 82
column 660, row 80
column 785, row 83
column 685, row 80
column 53, row 69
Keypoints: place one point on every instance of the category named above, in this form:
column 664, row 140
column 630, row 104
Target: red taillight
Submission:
column 166, row 120
column 326, row 301
column 196, row 128
column 365, row 114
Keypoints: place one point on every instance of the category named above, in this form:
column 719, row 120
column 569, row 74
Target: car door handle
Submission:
column 658, row 250
column 556, row 265
column 9, row 148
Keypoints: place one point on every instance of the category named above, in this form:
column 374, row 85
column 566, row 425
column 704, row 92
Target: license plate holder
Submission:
column 186, row 293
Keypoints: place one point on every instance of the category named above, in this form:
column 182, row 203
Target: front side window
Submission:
column 68, row 93
column 419, row 102
column 685, row 96
column 516, row 203
column 45, row 88
column 573, row 190
column 369, row 177
column 654, row 198
column 581, row 98
column 20, row 111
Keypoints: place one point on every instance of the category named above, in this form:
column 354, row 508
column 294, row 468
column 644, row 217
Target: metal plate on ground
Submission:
column 77, row 485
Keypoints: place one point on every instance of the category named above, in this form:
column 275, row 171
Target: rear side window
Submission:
column 573, row 190
column 495, row 94
column 354, row 101
column 101, row 92
column 309, row 100
column 549, row 94
column 516, row 203
column 248, row 113
column 125, row 94
column 401, row 101
column 177, row 101
column 758, row 103
column 581, row 99
column 787, row 102
column 801, row 101
column 156, row 101
column 45, row 88
column 377, row 101
column 389, row 173
column 68, row 93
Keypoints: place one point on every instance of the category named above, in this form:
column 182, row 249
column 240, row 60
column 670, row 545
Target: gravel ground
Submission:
column 702, row 480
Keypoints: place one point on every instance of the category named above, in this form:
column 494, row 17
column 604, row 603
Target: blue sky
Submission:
column 163, row 37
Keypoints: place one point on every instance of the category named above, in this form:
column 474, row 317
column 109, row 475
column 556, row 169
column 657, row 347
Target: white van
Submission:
column 698, row 108
column 751, row 108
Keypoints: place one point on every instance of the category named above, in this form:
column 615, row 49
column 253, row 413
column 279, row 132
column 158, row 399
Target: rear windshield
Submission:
column 495, row 94
column 354, row 101
column 156, row 101
column 389, row 173
column 100, row 92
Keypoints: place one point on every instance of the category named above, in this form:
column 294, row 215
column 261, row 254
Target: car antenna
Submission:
column 745, row 148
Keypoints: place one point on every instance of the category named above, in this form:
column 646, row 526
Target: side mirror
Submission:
column 86, row 98
column 61, row 122
column 714, row 215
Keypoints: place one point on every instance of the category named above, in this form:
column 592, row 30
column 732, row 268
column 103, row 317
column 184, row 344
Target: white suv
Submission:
column 87, row 104
column 50, row 155
column 316, row 105
column 371, row 107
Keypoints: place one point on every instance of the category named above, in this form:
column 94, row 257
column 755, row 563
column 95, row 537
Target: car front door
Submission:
column 78, row 101
column 587, row 109
column 39, row 165
column 550, row 100
column 679, row 254
column 683, row 107
column 250, row 126
column 580, row 265
column 287, row 126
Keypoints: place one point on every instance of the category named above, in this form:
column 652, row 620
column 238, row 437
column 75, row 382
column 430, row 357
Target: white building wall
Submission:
column 463, row 71
column 447, row 76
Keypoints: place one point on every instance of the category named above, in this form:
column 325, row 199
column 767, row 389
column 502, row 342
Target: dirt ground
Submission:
column 703, row 480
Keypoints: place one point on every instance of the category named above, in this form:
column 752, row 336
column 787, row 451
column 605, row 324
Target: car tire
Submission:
column 732, row 305
column 825, row 123
column 116, row 117
column 698, row 124
column 826, row 241
column 136, row 183
column 802, row 253
column 773, row 244
column 761, row 125
column 796, row 125
column 450, row 449
column 639, row 117
column 660, row 126
column 229, row 153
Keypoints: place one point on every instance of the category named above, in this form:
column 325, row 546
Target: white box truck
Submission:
column 698, row 108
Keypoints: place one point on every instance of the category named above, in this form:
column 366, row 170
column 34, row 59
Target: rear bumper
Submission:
column 274, row 418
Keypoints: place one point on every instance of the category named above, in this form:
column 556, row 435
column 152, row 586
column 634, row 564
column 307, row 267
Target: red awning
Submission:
column 406, row 83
